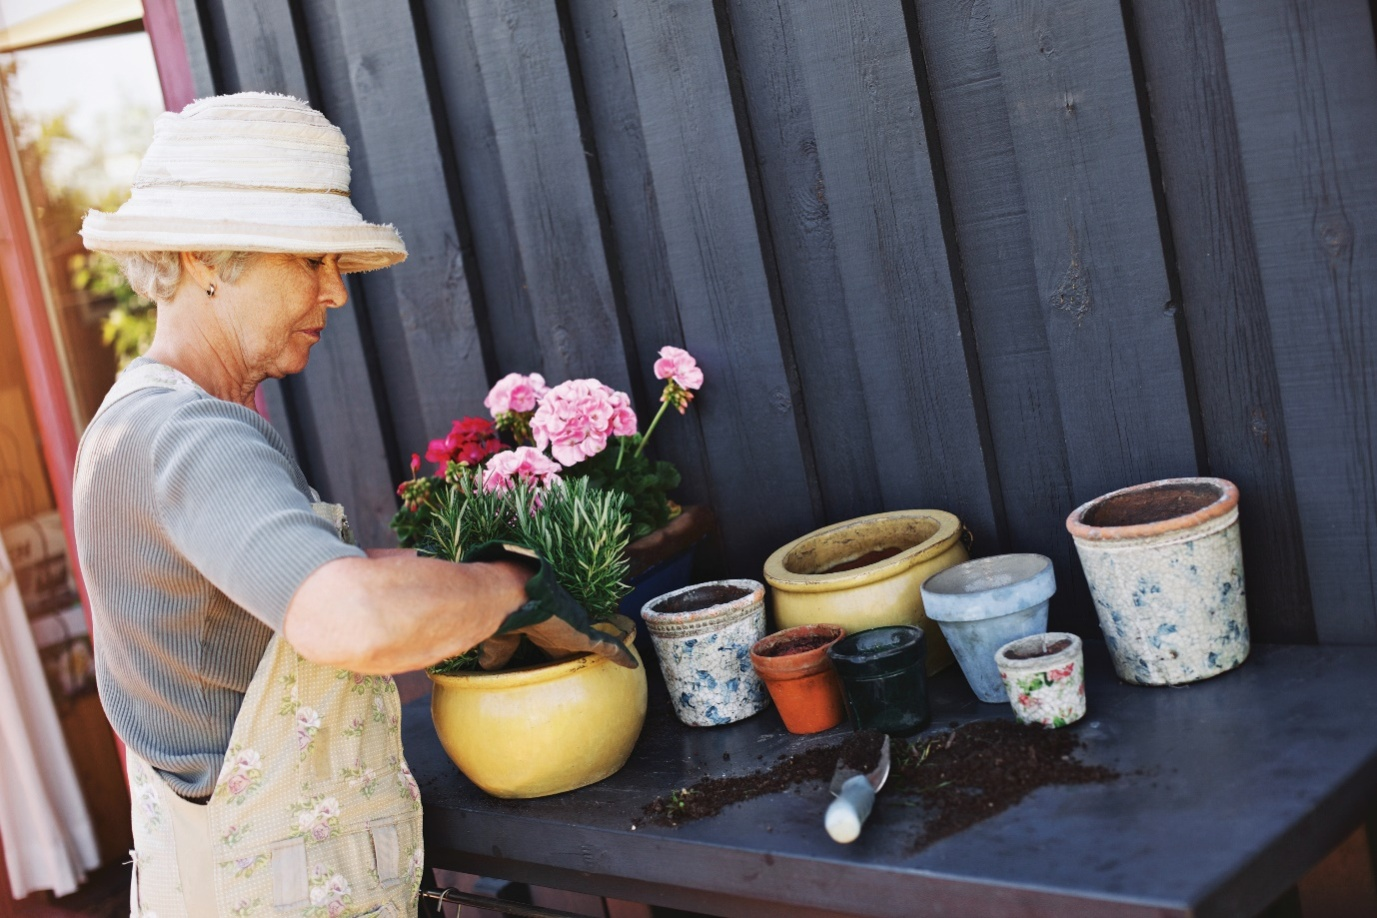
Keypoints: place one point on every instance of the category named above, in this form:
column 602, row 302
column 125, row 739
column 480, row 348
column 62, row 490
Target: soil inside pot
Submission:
column 1032, row 653
column 796, row 645
column 865, row 560
column 1152, row 505
column 704, row 597
column 956, row 778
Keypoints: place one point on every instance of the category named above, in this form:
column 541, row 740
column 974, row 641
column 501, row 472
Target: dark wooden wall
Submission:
column 992, row 256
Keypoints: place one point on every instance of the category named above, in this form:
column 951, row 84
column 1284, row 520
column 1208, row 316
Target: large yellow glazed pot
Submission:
column 866, row 572
column 544, row 729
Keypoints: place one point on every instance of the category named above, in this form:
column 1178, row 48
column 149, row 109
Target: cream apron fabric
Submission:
column 315, row 812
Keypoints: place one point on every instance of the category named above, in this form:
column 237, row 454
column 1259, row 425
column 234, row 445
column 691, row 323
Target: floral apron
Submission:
column 315, row 812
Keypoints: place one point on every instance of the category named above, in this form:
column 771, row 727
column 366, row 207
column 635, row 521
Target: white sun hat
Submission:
column 248, row 172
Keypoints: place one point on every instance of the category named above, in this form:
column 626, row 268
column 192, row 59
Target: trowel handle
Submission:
column 847, row 813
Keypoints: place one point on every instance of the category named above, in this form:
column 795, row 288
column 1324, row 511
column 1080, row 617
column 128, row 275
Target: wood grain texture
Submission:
column 991, row 220
column 760, row 490
column 1097, row 247
column 1303, row 84
column 545, row 168
column 1224, row 304
column 490, row 245
column 198, row 48
column 634, row 213
column 900, row 301
column 328, row 413
column 805, row 256
column 419, row 313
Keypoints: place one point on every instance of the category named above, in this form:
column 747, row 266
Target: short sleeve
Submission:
column 229, row 501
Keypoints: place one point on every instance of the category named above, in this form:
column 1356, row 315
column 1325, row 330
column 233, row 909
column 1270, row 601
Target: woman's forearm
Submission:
column 395, row 612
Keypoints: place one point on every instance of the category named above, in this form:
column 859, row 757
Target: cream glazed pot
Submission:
column 1165, row 569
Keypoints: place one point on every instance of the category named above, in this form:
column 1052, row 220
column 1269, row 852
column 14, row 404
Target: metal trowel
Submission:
column 855, row 792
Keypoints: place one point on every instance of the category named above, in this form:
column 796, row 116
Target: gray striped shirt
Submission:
column 194, row 529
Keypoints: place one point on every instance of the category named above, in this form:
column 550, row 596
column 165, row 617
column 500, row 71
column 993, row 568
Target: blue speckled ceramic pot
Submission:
column 983, row 604
column 1165, row 569
column 703, row 635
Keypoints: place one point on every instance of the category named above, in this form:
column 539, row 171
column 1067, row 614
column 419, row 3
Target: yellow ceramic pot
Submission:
column 866, row 572
column 544, row 729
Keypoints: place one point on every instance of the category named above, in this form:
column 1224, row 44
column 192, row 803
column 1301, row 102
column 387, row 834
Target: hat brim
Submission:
column 317, row 225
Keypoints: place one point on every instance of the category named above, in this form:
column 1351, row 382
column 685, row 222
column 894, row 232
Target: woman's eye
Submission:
column 315, row 262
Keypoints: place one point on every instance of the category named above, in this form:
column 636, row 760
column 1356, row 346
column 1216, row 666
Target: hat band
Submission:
column 220, row 186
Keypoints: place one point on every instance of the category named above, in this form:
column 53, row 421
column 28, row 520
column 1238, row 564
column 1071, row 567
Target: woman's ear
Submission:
column 198, row 272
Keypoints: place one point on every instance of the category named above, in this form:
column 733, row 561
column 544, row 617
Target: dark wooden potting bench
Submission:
column 1230, row 790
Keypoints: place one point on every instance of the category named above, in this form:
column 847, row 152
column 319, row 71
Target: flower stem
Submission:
column 621, row 453
column 649, row 430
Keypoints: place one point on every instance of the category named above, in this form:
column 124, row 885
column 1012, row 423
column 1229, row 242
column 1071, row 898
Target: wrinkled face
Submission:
column 276, row 310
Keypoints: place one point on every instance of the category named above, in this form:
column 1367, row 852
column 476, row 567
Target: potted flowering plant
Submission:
column 579, row 429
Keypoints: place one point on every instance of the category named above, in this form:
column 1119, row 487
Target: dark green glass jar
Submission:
column 884, row 677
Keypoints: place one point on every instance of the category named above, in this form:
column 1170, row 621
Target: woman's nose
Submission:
column 332, row 288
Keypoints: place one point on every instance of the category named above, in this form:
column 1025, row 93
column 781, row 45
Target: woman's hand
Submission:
column 395, row 612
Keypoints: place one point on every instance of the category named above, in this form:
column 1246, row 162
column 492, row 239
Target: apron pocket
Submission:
column 387, row 852
column 291, row 886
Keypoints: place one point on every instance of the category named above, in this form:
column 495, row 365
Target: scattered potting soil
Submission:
column 865, row 560
column 1055, row 647
column 958, row 777
column 796, row 645
column 704, row 597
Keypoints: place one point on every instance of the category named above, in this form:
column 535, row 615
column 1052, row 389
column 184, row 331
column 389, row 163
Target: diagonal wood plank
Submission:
column 1303, row 82
column 760, row 489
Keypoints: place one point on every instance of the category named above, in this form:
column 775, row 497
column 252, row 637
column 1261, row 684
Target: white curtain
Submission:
column 44, row 823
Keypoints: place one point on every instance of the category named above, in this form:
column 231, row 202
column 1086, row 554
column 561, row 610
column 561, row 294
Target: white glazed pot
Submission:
column 703, row 635
column 1044, row 686
column 1165, row 569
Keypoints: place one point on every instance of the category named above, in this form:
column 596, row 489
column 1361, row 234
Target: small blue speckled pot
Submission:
column 703, row 635
column 1165, row 569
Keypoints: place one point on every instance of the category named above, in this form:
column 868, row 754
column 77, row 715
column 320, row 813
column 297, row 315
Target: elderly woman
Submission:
column 242, row 641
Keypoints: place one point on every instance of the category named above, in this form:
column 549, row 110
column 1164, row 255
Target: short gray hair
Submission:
column 156, row 275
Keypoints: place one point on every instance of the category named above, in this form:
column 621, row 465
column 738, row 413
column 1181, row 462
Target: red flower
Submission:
column 1057, row 675
column 469, row 442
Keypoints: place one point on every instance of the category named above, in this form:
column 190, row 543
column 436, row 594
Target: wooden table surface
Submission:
column 1230, row 790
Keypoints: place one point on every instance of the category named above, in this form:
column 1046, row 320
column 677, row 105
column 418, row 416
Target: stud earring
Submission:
column 210, row 291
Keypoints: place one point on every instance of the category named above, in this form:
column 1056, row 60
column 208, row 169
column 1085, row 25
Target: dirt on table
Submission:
column 958, row 777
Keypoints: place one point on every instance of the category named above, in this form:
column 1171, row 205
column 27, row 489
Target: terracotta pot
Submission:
column 803, row 685
column 1165, row 569
column 529, row 732
column 867, row 572
column 703, row 635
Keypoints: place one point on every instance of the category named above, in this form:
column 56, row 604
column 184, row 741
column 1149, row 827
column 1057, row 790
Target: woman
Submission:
column 242, row 642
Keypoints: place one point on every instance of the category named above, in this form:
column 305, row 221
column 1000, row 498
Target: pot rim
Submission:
column 723, row 612
column 1226, row 502
column 799, row 664
column 1039, row 664
column 942, row 603
column 887, row 654
column 781, row 578
column 537, row 672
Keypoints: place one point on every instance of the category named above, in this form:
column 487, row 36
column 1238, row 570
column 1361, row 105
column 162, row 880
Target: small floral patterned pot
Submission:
column 703, row 635
column 1165, row 569
column 1044, row 676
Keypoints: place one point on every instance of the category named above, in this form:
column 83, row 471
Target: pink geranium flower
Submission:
column 517, row 393
column 678, row 364
column 469, row 442
column 576, row 418
column 521, row 464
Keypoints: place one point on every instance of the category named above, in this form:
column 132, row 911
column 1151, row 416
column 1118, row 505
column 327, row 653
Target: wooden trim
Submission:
column 164, row 28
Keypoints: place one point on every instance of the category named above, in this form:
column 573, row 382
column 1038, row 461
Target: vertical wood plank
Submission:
column 1224, row 304
column 1303, row 83
column 893, row 256
column 760, row 490
column 327, row 413
column 545, row 168
column 643, row 263
column 970, row 102
column 1097, row 247
column 420, row 312
column 805, row 256
column 198, row 47
column 504, row 308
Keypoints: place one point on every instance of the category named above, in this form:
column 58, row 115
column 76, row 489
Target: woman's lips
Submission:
column 313, row 333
